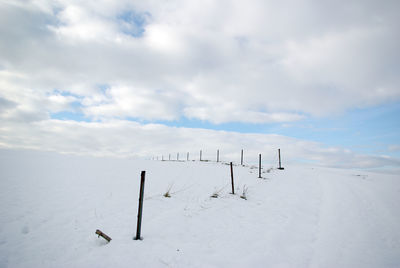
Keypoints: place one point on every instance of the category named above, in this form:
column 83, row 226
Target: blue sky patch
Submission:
column 133, row 23
column 75, row 116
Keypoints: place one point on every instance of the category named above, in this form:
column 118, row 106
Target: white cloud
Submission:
column 164, row 38
column 78, row 23
column 266, row 60
column 228, row 112
column 124, row 101
column 125, row 138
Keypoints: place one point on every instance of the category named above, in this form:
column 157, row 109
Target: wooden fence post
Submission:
column 259, row 166
column 177, row 157
column 187, row 157
column 241, row 158
column 106, row 237
column 140, row 208
column 217, row 155
column 200, row 155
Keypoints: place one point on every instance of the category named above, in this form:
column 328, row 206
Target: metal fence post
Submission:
column 233, row 187
column 140, row 208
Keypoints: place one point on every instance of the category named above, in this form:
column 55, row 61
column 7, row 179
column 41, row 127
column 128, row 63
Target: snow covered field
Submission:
column 303, row 216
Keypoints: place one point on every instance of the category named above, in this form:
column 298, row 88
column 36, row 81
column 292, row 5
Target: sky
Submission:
column 318, row 79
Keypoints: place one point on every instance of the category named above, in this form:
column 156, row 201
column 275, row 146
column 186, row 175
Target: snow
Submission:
column 303, row 216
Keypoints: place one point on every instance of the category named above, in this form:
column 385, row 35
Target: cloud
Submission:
column 219, row 115
column 26, row 104
column 394, row 148
column 120, row 138
column 261, row 59
column 6, row 104
column 121, row 102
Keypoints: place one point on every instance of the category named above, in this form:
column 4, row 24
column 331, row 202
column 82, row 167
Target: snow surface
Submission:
column 303, row 216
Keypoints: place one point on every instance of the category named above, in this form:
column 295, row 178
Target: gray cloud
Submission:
column 6, row 104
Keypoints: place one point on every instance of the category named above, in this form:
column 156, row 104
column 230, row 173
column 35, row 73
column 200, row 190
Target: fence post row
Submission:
column 241, row 159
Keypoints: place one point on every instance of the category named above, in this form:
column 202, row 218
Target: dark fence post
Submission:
column 140, row 209
column 241, row 158
column 217, row 155
column 233, row 187
column 259, row 166
column 200, row 155
column 279, row 153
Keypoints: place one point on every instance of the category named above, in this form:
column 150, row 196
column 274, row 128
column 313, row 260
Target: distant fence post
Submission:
column 259, row 166
column 187, row 157
column 241, row 158
column 200, row 155
column 177, row 157
column 279, row 154
column 162, row 158
column 169, row 157
column 140, row 209
column 233, row 187
column 217, row 155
